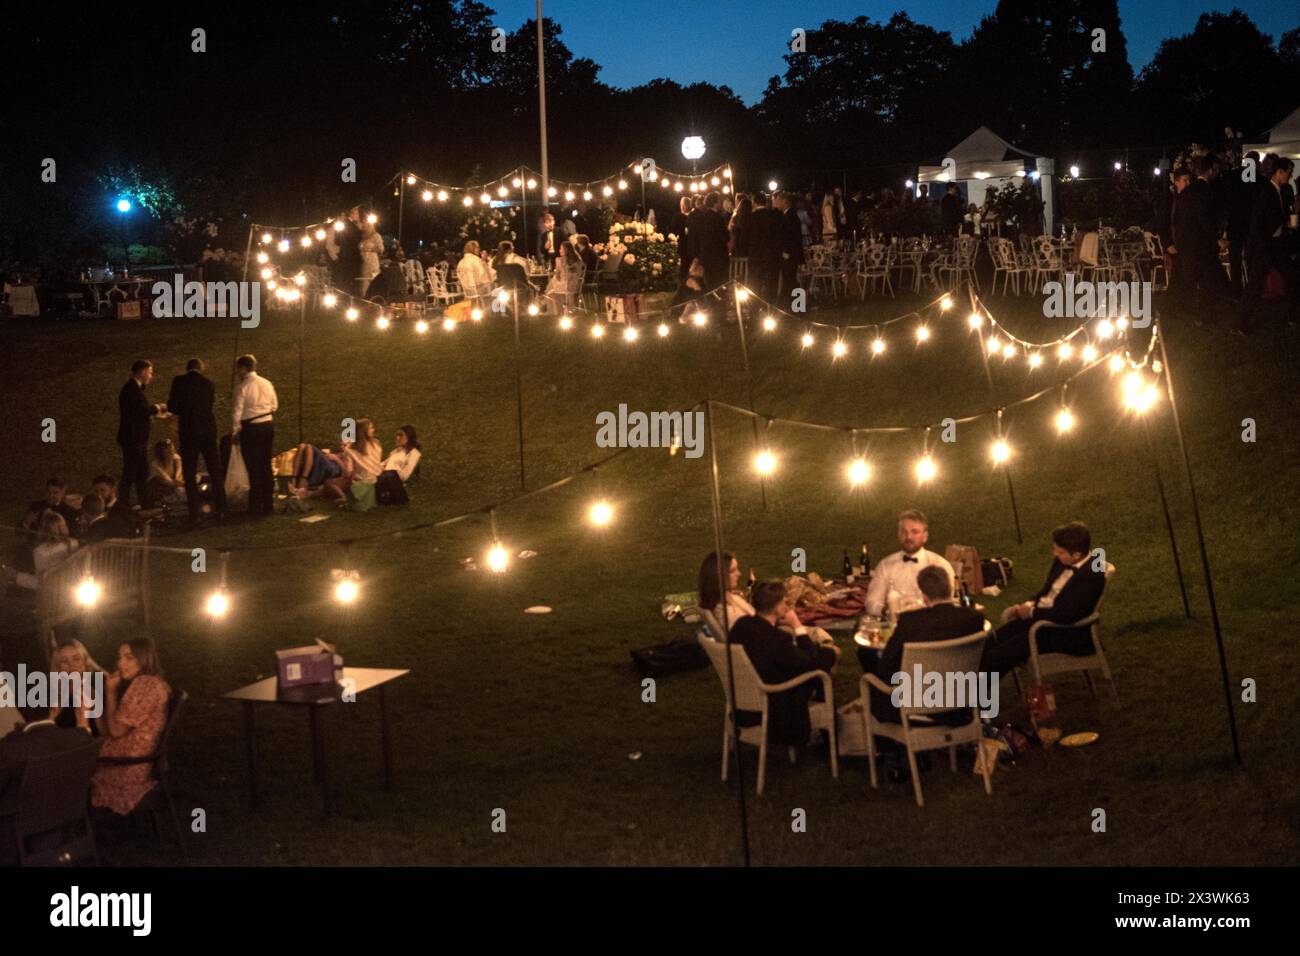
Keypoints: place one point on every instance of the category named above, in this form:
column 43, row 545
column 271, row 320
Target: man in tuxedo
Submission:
column 764, row 248
column 39, row 736
column 777, row 659
column 708, row 231
column 1070, row 593
column 951, row 212
column 1241, row 201
column 1268, row 244
column 547, row 240
column 344, row 248
column 135, row 415
column 899, row 571
column 253, row 405
column 190, row 399
column 53, row 501
column 1198, row 284
column 939, row 620
column 791, row 243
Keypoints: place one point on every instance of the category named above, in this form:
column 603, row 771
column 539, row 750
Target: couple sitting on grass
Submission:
column 319, row 472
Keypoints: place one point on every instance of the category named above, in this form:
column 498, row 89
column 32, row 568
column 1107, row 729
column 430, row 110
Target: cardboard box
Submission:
column 314, row 664
column 128, row 309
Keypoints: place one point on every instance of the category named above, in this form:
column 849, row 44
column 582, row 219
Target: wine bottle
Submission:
column 848, row 567
column 866, row 563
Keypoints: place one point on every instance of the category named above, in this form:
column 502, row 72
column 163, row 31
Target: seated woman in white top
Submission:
column 53, row 544
column 737, row 606
column 365, row 454
column 474, row 275
column 567, row 280
column 405, row 457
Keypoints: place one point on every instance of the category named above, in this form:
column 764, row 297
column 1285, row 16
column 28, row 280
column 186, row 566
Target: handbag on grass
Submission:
column 361, row 496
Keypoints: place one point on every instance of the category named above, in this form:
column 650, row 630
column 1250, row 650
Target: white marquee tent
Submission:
column 985, row 159
column 1283, row 139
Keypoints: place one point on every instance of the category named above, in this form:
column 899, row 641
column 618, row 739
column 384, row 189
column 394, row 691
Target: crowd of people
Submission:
column 915, row 586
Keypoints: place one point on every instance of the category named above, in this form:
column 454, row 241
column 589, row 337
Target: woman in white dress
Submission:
column 566, row 282
column 372, row 247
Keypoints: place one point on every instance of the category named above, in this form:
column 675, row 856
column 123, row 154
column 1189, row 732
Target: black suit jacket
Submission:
column 791, row 235
column 778, row 659
column 19, row 747
column 942, row 622
column 951, row 213
column 1194, row 226
column 190, row 399
column 1077, row 599
column 1268, row 213
column 765, row 234
column 133, row 415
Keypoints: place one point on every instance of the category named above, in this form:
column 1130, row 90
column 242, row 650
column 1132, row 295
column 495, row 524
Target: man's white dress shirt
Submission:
column 898, row 572
column 253, row 400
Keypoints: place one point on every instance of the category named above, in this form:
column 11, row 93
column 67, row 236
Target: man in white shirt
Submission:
column 897, row 572
column 252, row 405
column 474, row 275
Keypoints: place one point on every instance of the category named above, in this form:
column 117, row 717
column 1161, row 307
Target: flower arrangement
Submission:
column 489, row 227
column 647, row 262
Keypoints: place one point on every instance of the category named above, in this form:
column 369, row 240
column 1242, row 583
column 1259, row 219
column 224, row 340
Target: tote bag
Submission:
column 236, row 475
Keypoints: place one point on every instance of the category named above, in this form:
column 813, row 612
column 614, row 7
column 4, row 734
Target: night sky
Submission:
column 741, row 44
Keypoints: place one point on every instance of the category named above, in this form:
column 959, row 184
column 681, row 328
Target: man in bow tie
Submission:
column 897, row 573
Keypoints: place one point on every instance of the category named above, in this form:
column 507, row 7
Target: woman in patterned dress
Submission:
column 135, row 713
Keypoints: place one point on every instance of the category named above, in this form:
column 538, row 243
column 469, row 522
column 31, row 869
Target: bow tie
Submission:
column 913, row 560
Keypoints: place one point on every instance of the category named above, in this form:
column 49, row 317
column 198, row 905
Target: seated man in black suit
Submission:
column 38, row 737
column 939, row 620
column 778, row 659
column 1071, row 592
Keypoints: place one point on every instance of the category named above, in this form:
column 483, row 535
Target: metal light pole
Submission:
column 541, row 105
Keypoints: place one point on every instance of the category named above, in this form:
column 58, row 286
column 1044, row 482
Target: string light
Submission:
column 263, row 258
column 503, row 297
column 1116, row 363
column 1139, row 395
column 267, row 273
column 516, row 182
column 995, row 345
column 839, row 349
column 566, row 323
column 427, row 195
column 769, row 323
column 502, row 192
column 1008, row 351
column 352, row 314
column 622, row 184
column 320, row 235
column 1089, row 353
column 922, row 333
column 926, row 469
column 410, row 180
column 498, row 559
column 338, row 225
column 382, row 323
column 1064, row 421
column 807, row 339
column 476, row 314
column 663, row 330
column 533, row 309
column 218, row 603
column 449, row 325
column 1064, row 351
column 597, row 331
column 88, row 592
column 699, row 318
column 284, row 245
column 467, row 202
column 1035, row 359
column 442, row 195
column 329, row 300
column 877, row 346
column 532, row 183
column 1105, row 328
column 765, row 462
column 266, row 238
column 271, row 284
column 306, row 242
column 1000, row 452
column 742, row 295
column 630, row 333
column 945, row 303
column 601, row 513
column 300, row 279
column 372, row 218
column 348, row 588
column 859, row 472
column 422, row 327
column 975, row 320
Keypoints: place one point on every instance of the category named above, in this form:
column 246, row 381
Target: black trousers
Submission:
column 789, row 277
column 192, row 446
column 135, row 471
column 1261, row 261
column 1011, row 645
column 1198, row 286
column 257, row 442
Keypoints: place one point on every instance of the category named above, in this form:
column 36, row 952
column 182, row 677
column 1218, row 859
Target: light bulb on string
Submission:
column 263, row 258
column 699, row 318
column 769, row 323
column 742, row 295
column 533, row 309
column 1116, row 363
column 975, row 320
column 88, row 591
column 427, row 195
column 283, row 245
column 946, row 303
column 217, row 604
column 410, row 180
column 877, row 346
column 597, row 331
column 300, row 279
column 329, row 300
column 348, row 588
column 1035, row 359
column 552, row 191
column 271, row 284
column 630, row 333
column 503, row 192
column 1121, row 323
column 498, row 559
column 338, row 225
column 858, row 471
column 1089, row 353
column 476, row 314
column 306, row 242
column 266, row 238
column 607, row 191
column 601, row 513
column 267, row 273
column 926, row 468
column 622, row 184
column 566, row 323
column 1008, row 351
column 765, row 462
column 806, row 340
column 503, row 297
column 422, row 327
column 532, row 183
column 1000, row 452
column 1105, row 329
column 922, row 333
column 352, row 314
column 839, row 349
column 516, row 182
column 449, row 325
column 1064, row 421
column 568, row 195
column 994, row 345
column 443, row 195
column 320, row 235
column 372, row 218
column 467, row 202
column 1064, row 350
column 382, row 322
column 663, row 330
column 484, row 198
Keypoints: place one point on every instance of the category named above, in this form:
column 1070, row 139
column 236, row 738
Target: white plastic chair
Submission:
column 413, row 273
column 873, row 267
column 915, row 730
column 752, row 695
column 1044, row 665
column 740, row 269
column 440, row 294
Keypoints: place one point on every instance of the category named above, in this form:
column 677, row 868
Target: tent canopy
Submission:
column 1283, row 139
column 982, row 155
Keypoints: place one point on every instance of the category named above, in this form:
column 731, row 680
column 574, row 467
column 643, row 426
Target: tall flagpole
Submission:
column 541, row 106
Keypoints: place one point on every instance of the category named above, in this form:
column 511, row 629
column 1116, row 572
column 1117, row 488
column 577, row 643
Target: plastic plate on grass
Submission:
column 537, row 609
column 1080, row 740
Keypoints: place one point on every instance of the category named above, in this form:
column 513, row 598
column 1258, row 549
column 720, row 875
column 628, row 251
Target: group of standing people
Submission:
column 354, row 248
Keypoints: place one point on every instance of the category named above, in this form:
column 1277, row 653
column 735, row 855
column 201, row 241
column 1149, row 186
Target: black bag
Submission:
column 389, row 489
column 663, row 659
column 999, row 571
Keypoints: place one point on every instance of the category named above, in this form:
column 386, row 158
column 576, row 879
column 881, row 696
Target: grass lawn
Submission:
column 539, row 715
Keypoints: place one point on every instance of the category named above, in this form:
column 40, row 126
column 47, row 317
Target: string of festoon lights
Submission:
column 523, row 180
column 1139, row 392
